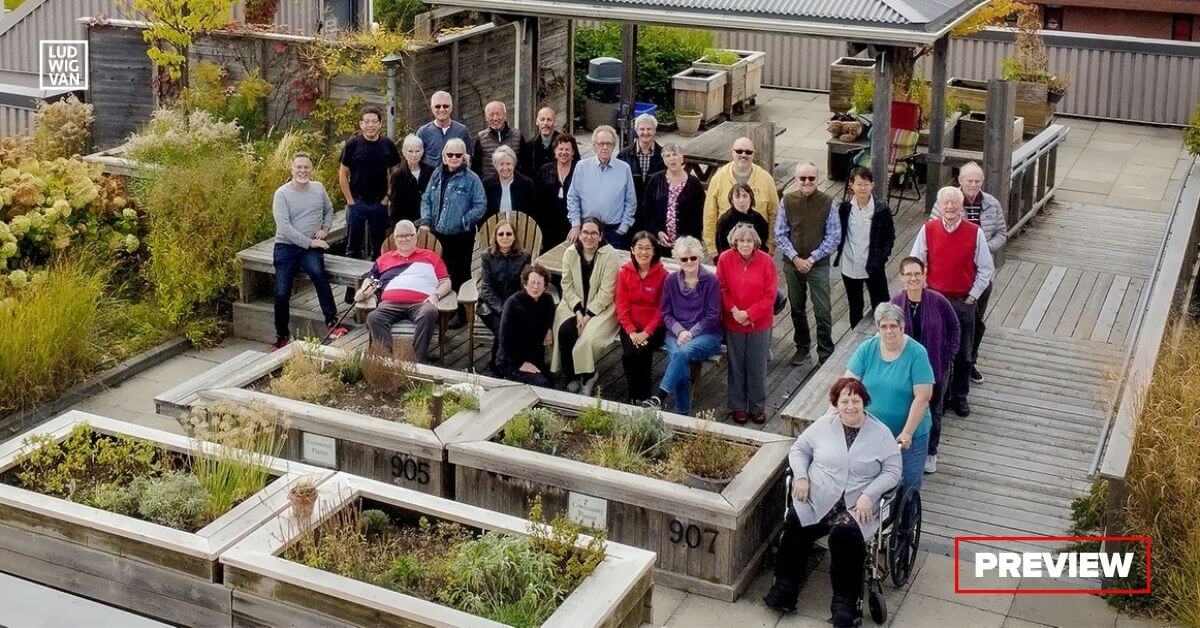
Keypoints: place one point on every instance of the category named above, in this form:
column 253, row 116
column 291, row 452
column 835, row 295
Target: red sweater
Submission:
column 951, row 258
column 749, row 286
column 639, row 301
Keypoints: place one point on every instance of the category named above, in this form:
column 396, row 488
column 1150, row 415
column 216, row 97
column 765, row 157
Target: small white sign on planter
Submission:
column 319, row 449
column 587, row 510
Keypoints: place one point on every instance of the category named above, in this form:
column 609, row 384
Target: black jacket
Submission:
column 407, row 191
column 629, row 156
column 551, row 214
column 536, row 156
column 501, row 276
column 883, row 236
column 524, row 194
column 523, row 327
column 689, row 208
column 730, row 219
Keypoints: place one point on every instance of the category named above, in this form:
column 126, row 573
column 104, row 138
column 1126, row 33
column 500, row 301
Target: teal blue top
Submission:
column 890, row 384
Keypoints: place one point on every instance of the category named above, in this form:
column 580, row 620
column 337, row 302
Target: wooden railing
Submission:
column 1033, row 168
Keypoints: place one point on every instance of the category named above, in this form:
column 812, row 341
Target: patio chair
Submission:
column 902, row 154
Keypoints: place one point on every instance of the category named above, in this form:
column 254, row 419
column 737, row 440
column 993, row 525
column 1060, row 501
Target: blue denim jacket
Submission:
column 464, row 205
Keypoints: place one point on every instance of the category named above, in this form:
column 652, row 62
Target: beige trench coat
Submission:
column 601, row 330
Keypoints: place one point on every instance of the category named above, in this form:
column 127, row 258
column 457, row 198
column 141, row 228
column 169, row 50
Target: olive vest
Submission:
column 806, row 217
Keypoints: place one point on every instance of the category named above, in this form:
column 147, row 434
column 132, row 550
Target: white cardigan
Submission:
column 871, row 465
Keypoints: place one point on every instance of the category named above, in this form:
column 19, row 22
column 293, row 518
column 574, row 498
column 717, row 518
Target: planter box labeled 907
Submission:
column 271, row 590
column 150, row 569
column 708, row 543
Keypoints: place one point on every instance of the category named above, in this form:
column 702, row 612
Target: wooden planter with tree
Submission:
column 701, row 90
column 276, row 582
column 737, row 65
column 1033, row 104
column 362, row 440
column 842, row 74
column 711, row 543
column 167, row 573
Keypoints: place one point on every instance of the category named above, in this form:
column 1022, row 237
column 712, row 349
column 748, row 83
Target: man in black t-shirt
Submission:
column 365, row 178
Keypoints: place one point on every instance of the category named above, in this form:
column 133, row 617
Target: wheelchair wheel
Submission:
column 905, row 539
column 877, row 604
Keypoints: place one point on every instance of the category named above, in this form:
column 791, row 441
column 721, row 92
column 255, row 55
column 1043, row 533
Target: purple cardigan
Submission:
column 939, row 326
column 699, row 311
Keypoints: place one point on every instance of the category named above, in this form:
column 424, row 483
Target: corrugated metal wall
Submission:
column 1136, row 80
column 15, row 120
column 53, row 19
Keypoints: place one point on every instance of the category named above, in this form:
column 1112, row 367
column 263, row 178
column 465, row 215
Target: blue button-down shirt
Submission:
column 833, row 233
column 605, row 192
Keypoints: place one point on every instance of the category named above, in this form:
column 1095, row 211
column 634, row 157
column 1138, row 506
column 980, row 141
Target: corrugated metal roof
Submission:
column 891, row 12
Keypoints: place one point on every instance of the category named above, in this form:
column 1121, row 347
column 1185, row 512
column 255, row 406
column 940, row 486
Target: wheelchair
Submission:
column 892, row 550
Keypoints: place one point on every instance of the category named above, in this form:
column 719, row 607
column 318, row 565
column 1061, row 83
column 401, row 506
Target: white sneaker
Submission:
column 931, row 464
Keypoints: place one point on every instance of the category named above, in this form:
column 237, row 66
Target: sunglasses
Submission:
column 504, row 234
column 454, row 155
column 744, row 151
column 690, row 258
column 805, row 179
column 441, row 106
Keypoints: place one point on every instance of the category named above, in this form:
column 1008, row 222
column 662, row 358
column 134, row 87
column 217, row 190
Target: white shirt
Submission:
column 858, row 240
column 984, row 266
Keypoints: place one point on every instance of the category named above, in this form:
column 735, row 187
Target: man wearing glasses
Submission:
column 741, row 170
column 435, row 133
column 807, row 231
column 410, row 280
column 602, row 188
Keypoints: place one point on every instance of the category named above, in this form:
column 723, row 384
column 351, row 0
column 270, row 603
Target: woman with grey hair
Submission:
column 749, row 281
column 409, row 181
column 896, row 370
column 452, row 207
column 691, row 314
column 508, row 190
column 672, row 205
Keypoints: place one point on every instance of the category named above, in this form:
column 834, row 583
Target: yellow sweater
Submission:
column 766, row 201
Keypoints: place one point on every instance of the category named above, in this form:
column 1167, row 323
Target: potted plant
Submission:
column 688, row 121
column 302, row 496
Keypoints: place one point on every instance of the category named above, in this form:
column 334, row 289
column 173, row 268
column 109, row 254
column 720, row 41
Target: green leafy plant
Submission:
column 176, row 500
column 84, row 461
column 418, row 404
column 237, row 466
column 350, row 368
column 122, row 499
column 535, row 428
column 619, row 451
column 646, row 430
column 718, row 56
column 1191, row 135
column 398, row 15
column 63, row 128
column 707, row 455
column 662, row 51
column 171, row 26
column 594, row 419
column 862, row 94
column 243, row 101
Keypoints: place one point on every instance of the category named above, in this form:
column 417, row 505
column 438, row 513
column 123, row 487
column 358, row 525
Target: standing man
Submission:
column 602, row 188
column 645, row 155
column 984, row 210
column 539, row 149
column 303, row 216
column 366, row 182
column 958, row 265
column 806, row 232
column 741, row 170
column 436, row 132
column 497, row 134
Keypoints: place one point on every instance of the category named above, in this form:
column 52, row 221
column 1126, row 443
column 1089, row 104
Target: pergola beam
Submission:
column 937, row 121
column 629, row 33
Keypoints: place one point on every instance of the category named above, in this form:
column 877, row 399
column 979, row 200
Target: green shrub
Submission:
column 504, row 578
column 535, row 428
column 243, row 101
column 83, row 462
column 594, row 419
column 237, row 467
column 176, row 500
column 619, row 452
column 719, row 56
column 305, row 377
column 397, row 15
column 646, row 431
column 661, row 52
column 1191, row 135
column 177, row 137
column 406, row 571
column 862, row 94
column 709, row 456
column 350, row 368
column 375, row 522
column 122, row 499
column 63, row 128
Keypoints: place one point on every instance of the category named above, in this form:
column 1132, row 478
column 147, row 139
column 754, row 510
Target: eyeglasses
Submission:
column 690, row 258
column 590, row 234
column 744, row 151
column 504, row 234
column 605, row 143
column 806, row 179
column 454, row 155
column 915, row 273
column 441, row 106
column 405, row 236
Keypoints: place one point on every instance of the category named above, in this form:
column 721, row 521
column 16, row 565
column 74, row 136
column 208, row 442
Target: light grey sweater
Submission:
column 299, row 214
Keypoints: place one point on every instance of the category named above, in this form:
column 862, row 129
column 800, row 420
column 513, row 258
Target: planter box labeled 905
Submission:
column 708, row 543
column 153, row 570
column 373, row 447
column 273, row 591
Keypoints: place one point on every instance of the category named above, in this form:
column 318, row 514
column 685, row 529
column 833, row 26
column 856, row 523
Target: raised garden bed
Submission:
column 744, row 72
column 275, row 577
column 362, row 437
column 1032, row 103
column 842, row 74
column 128, row 561
column 708, row 542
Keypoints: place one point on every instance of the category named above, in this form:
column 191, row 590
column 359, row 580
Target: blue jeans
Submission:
column 617, row 240
column 913, row 460
column 677, row 378
column 289, row 259
column 366, row 229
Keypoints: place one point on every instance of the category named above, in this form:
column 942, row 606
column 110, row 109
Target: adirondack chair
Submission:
column 902, row 154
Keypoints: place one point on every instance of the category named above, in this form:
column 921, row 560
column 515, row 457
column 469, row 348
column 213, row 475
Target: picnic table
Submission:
column 708, row 152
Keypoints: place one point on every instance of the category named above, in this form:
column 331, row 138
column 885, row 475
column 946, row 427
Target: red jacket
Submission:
column 639, row 301
column 750, row 286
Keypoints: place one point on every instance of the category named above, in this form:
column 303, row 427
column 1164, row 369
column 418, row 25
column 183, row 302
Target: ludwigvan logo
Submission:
column 63, row 64
column 1039, row 571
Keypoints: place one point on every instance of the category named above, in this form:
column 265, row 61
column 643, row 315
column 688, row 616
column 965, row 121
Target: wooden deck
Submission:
column 1062, row 311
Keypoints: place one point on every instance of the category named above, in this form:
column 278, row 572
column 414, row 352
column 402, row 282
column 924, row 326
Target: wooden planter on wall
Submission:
column 373, row 447
column 707, row 543
column 270, row 590
column 738, row 91
column 143, row 567
column 842, row 74
column 702, row 91
column 1032, row 105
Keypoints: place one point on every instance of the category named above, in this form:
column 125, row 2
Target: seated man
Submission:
column 413, row 280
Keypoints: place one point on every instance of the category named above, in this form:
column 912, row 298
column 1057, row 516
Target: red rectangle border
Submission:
column 1043, row 539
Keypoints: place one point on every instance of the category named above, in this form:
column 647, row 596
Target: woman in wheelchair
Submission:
column 842, row 465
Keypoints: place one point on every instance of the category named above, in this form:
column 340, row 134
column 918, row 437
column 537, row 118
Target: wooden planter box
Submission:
column 842, row 74
column 271, row 591
column 972, row 131
column 143, row 567
column 738, row 90
column 701, row 90
column 707, row 543
column 1033, row 104
column 377, row 448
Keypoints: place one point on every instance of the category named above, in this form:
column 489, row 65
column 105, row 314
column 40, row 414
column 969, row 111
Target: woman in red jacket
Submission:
column 748, row 284
column 639, row 311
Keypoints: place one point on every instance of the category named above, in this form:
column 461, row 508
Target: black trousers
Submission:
column 937, row 409
column 877, row 288
column 568, row 335
column 639, row 363
column 456, row 253
column 980, row 312
column 847, row 556
column 491, row 320
column 960, row 377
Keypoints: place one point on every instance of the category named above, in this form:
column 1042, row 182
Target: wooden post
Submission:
column 998, row 138
column 763, row 136
column 937, row 122
column 569, row 126
column 528, row 70
column 881, row 131
column 628, row 76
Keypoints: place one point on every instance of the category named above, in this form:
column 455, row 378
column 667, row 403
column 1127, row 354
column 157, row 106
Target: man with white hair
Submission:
column 984, row 210
column 602, row 188
column 435, row 133
column 645, row 155
column 497, row 134
column 958, row 265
